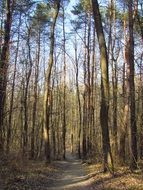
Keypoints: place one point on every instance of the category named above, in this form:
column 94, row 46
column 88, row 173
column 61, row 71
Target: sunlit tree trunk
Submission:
column 12, row 92
column 125, row 94
column 78, row 98
column 84, row 120
column 93, row 93
column 64, row 85
column 36, row 75
column 46, row 108
column 104, row 86
column 111, row 53
column 25, row 100
column 88, row 85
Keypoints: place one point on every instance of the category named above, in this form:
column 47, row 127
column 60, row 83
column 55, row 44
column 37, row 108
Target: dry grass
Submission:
column 124, row 179
column 16, row 174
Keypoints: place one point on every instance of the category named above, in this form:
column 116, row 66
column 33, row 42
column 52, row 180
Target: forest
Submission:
column 71, row 94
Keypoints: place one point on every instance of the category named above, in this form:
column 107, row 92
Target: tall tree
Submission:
column 64, row 85
column 4, row 59
column 113, row 54
column 104, row 85
column 46, row 108
column 132, row 88
column 125, row 94
column 78, row 97
column 9, row 130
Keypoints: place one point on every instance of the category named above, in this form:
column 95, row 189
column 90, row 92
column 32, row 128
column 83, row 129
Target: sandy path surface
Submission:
column 73, row 176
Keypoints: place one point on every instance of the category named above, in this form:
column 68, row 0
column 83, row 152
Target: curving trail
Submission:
column 73, row 176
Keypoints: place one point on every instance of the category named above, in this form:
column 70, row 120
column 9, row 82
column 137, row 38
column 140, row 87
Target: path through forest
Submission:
column 73, row 177
column 70, row 174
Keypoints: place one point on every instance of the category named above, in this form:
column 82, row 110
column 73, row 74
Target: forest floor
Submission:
column 70, row 174
column 123, row 178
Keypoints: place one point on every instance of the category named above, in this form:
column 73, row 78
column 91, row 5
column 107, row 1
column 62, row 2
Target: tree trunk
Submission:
column 84, row 138
column 88, row 86
column 46, row 108
column 4, row 66
column 64, row 103
column 35, row 96
column 79, row 101
column 125, row 94
column 25, row 101
column 93, row 93
column 132, row 90
column 104, row 86
column 12, row 92
column 114, row 75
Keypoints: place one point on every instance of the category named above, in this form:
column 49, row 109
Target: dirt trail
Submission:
column 65, row 175
column 73, row 176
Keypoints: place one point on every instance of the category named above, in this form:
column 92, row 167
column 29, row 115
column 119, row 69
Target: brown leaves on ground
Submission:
column 26, row 175
column 16, row 174
column 123, row 179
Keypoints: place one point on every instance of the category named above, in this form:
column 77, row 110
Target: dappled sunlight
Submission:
column 45, row 134
column 71, row 95
column 73, row 177
column 123, row 179
column 73, row 182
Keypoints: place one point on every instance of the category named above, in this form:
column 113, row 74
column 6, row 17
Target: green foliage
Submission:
column 41, row 14
column 78, row 9
column 84, row 6
column 79, row 12
column 40, row 18
column 76, row 24
column 87, row 5
column 138, row 24
column 23, row 5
